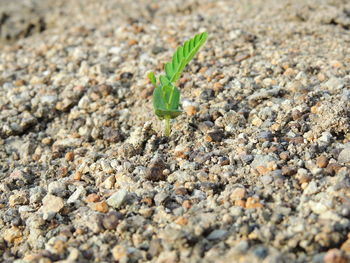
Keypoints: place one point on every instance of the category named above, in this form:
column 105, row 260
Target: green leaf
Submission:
column 164, row 80
column 152, row 78
column 158, row 101
column 183, row 56
column 166, row 101
column 167, row 92
column 162, row 114
column 174, row 98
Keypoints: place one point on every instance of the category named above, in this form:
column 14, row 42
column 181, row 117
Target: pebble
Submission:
column 78, row 195
column 217, row 234
column 155, row 170
column 311, row 189
column 253, row 202
column 262, row 160
column 344, row 155
column 322, row 161
column 111, row 220
column 51, row 205
column 215, row 136
column 69, row 156
column 12, row 235
column 117, row 199
column 334, row 84
column 57, row 188
column 335, row 256
column 18, row 198
column 100, row 207
column 238, row 194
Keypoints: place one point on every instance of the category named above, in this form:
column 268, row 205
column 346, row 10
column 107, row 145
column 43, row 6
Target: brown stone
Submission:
column 132, row 42
column 346, row 246
column 335, row 255
column 69, row 156
column 62, row 171
column 187, row 204
column 91, row 198
column 59, row 246
column 190, row 110
column 333, row 168
column 253, row 202
column 77, row 176
column 240, row 203
column 147, row 201
column 284, row 155
column 322, row 161
column 238, row 194
column 217, row 87
column 155, row 170
column 181, row 191
column 181, row 221
column 288, row 170
column 100, row 207
column 215, row 136
column 181, row 152
column 262, row 170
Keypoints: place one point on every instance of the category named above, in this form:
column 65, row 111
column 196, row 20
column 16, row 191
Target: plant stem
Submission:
column 167, row 126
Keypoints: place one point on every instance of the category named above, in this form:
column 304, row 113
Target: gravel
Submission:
column 256, row 169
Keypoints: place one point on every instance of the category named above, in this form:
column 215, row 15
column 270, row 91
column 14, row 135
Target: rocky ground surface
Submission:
column 255, row 170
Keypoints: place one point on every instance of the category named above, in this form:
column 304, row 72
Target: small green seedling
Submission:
column 166, row 97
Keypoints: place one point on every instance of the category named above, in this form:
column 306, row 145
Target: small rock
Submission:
column 190, row 110
column 117, row 199
column 155, row 247
column 57, row 188
column 335, row 255
column 217, row 234
column 311, row 188
column 111, row 220
column 334, row 84
column 51, row 205
column 215, row 136
column 262, row 160
column 112, row 135
column 322, row 161
column 93, row 222
column 100, row 207
column 155, row 170
column 12, row 235
column 78, row 194
column 262, row 170
column 109, row 182
column 344, row 156
column 207, row 94
column 238, row 194
column 288, row 170
column 119, row 252
column 253, row 202
column 181, row 151
column 265, row 136
column 266, row 179
column 69, row 156
column 346, row 245
column 18, row 198
column 91, row 198
column 260, row 252
column 160, row 198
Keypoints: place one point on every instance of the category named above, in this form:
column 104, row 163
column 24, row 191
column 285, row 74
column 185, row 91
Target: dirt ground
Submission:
column 256, row 169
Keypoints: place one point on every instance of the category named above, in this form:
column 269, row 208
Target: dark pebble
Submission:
column 110, row 221
column 207, row 94
column 155, row 170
